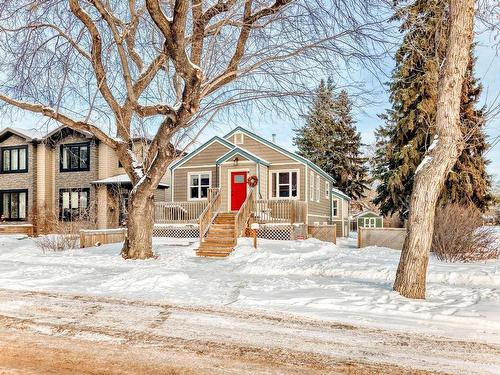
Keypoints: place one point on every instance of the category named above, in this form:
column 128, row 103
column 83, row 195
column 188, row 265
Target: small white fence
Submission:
column 280, row 211
column 178, row 212
column 392, row 238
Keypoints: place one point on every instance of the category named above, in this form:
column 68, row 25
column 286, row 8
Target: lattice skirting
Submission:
column 176, row 231
column 282, row 232
column 327, row 233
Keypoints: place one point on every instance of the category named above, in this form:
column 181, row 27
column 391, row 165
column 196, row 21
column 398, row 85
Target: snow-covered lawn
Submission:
column 312, row 278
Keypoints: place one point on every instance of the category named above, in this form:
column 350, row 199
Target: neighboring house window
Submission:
column 14, row 204
column 318, row 188
column 74, row 204
column 15, row 159
column 370, row 222
column 335, row 208
column 311, row 186
column 284, row 184
column 327, row 190
column 238, row 138
column 75, row 157
column 199, row 183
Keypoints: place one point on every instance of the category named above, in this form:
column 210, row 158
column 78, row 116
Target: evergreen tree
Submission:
column 330, row 140
column 408, row 129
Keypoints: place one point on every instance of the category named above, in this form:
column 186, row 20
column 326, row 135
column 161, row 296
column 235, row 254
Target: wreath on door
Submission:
column 252, row 181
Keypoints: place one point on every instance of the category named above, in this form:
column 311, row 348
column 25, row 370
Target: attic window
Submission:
column 238, row 138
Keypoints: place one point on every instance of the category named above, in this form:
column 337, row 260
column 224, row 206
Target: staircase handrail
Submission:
column 244, row 213
column 210, row 212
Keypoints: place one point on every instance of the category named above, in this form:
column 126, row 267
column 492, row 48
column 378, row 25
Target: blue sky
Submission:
column 487, row 70
column 267, row 123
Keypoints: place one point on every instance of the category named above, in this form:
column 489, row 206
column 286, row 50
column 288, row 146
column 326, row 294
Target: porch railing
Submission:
column 210, row 212
column 280, row 211
column 179, row 212
column 244, row 213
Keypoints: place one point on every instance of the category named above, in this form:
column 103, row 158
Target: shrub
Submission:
column 460, row 237
column 61, row 235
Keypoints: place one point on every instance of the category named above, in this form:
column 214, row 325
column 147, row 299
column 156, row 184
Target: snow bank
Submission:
column 312, row 278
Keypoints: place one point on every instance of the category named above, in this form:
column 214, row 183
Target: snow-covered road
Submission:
column 220, row 340
column 308, row 278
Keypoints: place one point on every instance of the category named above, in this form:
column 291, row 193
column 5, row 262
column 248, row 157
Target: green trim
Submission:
column 223, row 141
column 282, row 150
column 242, row 152
column 339, row 194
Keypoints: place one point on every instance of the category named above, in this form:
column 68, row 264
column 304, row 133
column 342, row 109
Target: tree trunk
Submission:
column 140, row 221
column 442, row 155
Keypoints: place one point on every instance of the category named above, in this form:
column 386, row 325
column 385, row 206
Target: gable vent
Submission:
column 238, row 138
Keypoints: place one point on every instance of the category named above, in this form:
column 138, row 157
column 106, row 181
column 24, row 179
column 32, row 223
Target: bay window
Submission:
column 199, row 183
column 284, row 184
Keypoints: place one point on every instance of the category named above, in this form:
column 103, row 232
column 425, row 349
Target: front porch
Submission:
column 265, row 211
column 218, row 229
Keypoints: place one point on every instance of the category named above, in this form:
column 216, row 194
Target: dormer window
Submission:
column 75, row 157
column 238, row 138
column 15, row 159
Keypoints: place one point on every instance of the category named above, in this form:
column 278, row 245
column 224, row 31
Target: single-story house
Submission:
column 286, row 186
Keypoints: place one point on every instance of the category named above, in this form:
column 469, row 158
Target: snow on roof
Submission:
column 120, row 179
column 341, row 193
column 28, row 134
column 359, row 214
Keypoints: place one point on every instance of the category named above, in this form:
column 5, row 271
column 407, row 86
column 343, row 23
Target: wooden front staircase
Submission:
column 221, row 237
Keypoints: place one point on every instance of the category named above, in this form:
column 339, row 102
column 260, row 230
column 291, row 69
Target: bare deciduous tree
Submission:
column 165, row 68
column 441, row 156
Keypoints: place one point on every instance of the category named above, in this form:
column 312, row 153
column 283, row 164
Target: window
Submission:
column 14, row 204
column 318, row 188
column 370, row 222
column 238, row 138
column 284, row 184
column 73, row 204
column 327, row 190
column 15, row 159
column 75, row 157
column 311, row 186
column 335, row 208
column 199, row 183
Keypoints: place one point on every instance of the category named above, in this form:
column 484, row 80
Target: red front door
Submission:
column 238, row 189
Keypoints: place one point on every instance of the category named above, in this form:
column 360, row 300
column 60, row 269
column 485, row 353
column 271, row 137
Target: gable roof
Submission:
column 212, row 140
column 63, row 127
column 282, row 150
column 340, row 194
column 363, row 213
column 242, row 152
column 28, row 134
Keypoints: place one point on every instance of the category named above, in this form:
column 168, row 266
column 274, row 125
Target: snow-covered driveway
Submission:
column 311, row 278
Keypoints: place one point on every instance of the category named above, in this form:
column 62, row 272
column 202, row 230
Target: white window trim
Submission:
column 318, row 188
column 270, row 177
column 188, row 191
column 338, row 202
column 311, row 186
column 368, row 220
column 327, row 190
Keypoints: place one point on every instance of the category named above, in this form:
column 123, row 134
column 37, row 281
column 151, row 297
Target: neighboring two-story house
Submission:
column 67, row 174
